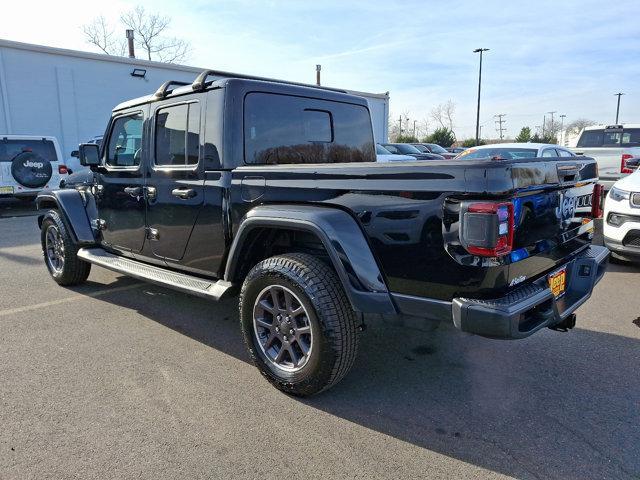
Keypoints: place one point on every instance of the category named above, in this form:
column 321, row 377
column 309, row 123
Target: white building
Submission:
column 69, row 94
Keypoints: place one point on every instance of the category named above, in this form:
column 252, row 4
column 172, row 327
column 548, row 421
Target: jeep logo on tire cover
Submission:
column 29, row 163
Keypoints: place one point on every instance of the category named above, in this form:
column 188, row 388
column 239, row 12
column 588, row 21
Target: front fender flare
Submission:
column 73, row 210
column 343, row 240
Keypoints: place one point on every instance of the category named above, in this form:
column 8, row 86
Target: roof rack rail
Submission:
column 199, row 83
column 163, row 90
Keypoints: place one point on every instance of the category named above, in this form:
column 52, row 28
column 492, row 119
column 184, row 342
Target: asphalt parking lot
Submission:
column 119, row 379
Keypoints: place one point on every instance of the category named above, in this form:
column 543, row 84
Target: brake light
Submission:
column 486, row 228
column 623, row 163
column 596, row 201
column 62, row 169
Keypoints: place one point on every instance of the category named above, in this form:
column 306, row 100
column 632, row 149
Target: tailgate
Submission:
column 552, row 214
column 608, row 160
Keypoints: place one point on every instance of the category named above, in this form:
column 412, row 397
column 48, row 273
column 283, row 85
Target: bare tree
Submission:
column 148, row 29
column 574, row 127
column 100, row 34
column 443, row 114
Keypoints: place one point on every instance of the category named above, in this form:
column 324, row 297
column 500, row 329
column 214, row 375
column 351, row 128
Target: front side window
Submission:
column 125, row 143
column 283, row 129
column 177, row 138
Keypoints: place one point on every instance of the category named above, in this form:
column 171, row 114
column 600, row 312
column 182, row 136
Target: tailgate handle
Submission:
column 567, row 172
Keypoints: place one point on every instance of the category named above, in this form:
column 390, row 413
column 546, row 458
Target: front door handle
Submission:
column 133, row 191
column 183, row 193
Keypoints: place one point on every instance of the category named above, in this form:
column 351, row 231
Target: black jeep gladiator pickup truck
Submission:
column 270, row 189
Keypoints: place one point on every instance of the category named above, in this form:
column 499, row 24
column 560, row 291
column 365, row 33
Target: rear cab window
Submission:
column 610, row 137
column 283, row 129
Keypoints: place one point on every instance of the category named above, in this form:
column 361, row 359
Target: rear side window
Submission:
column 177, row 135
column 281, row 129
column 11, row 148
column 125, row 142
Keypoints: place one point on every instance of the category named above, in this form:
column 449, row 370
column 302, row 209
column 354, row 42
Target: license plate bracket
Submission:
column 558, row 282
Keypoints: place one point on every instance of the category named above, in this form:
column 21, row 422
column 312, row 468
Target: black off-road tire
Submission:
column 74, row 271
column 333, row 321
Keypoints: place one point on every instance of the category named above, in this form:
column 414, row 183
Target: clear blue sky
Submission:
column 568, row 56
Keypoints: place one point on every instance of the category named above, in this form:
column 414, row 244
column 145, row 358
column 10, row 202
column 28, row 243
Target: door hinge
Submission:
column 152, row 233
column 99, row 224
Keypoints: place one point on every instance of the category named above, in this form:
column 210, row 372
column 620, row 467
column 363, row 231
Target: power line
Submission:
column 499, row 128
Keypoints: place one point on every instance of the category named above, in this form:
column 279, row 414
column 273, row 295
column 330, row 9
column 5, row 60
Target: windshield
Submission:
column 436, row 148
column 499, row 153
column 406, row 148
column 625, row 137
column 380, row 150
column 422, row 148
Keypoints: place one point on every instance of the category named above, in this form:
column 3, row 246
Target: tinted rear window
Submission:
column 282, row 129
column 627, row 137
column 9, row 149
column 503, row 153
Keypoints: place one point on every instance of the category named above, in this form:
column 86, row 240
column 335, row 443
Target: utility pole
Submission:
column 618, row 108
column 400, row 120
column 544, row 121
column 552, row 127
column 562, row 117
column 500, row 121
column 414, row 129
column 318, row 68
column 479, row 50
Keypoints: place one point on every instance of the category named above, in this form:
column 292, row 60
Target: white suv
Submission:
column 622, row 216
column 29, row 164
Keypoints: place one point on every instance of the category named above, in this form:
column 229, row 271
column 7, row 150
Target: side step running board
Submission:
column 214, row 290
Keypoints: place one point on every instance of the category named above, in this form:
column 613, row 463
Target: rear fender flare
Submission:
column 343, row 240
column 76, row 212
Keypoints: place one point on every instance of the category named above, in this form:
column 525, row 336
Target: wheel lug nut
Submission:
column 291, row 331
column 284, row 338
column 277, row 329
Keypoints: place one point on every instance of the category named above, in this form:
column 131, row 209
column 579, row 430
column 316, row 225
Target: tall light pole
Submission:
column 318, row 69
column 618, row 109
column 479, row 50
column 562, row 117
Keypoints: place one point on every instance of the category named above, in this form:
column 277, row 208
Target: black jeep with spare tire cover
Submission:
column 271, row 189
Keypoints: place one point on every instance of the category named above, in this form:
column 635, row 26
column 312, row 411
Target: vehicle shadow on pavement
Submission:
column 551, row 406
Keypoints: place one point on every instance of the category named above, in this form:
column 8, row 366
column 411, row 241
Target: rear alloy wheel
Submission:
column 297, row 323
column 60, row 252
column 282, row 327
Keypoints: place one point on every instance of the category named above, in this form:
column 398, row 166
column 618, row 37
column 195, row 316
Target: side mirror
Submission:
column 633, row 163
column 89, row 155
column 75, row 153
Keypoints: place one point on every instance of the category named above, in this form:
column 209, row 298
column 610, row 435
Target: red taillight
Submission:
column 596, row 201
column 623, row 163
column 487, row 228
column 62, row 169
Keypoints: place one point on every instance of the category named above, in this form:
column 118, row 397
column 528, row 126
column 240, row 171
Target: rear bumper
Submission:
column 531, row 307
column 523, row 311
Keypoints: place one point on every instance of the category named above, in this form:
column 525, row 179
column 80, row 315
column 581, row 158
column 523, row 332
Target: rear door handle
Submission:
column 183, row 193
column 133, row 191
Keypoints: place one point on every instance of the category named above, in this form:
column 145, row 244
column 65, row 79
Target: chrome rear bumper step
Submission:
column 214, row 290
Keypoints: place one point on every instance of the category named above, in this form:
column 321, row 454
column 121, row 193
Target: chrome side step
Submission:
column 214, row 290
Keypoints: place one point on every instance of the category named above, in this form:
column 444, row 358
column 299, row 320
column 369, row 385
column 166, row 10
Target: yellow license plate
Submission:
column 558, row 282
column 6, row 190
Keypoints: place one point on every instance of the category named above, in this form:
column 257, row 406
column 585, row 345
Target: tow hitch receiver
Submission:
column 565, row 325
